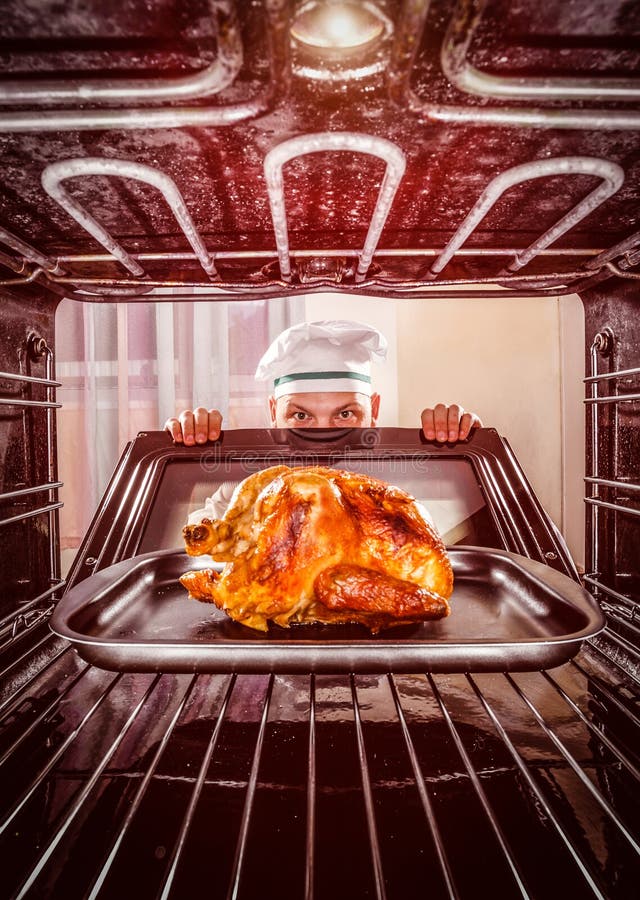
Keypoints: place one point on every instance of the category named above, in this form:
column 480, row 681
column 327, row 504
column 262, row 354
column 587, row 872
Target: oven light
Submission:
column 340, row 40
column 337, row 25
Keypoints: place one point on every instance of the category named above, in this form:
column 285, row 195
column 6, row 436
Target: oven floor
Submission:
column 117, row 785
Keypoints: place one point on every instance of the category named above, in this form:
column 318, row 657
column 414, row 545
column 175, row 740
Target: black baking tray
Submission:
column 508, row 613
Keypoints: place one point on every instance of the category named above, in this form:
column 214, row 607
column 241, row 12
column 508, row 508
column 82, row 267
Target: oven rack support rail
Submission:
column 32, row 611
column 620, row 606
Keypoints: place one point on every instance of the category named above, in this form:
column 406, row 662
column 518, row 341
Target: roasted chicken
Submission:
column 315, row 544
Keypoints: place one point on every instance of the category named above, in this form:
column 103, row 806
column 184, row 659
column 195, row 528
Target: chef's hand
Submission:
column 448, row 423
column 195, row 426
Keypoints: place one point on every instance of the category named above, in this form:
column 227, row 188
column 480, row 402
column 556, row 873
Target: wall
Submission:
column 519, row 364
column 516, row 362
column 381, row 314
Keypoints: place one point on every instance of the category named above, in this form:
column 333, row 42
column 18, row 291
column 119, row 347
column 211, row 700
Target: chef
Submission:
column 320, row 377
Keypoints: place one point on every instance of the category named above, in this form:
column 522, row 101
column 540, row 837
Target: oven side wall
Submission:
column 25, row 561
column 519, row 364
column 613, row 554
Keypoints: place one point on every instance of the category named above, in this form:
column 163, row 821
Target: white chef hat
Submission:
column 322, row 356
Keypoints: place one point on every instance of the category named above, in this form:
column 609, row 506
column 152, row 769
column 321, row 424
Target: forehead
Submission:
column 325, row 400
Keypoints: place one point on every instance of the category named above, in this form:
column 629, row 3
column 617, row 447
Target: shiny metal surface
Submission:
column 612, row 467
column 612, row 177
column 607, row 376
column 30, row 598
column 466, row 77
column 40, row 404
column 209, row 81
column 613, row 398
column 55, row 173
column 405, row 100
column 404, row 64
column 330, row 141
column 463, row 774
column 23, row 492
column 30, row 253
column 623, row 485
column 611, row 174
column 32, row 512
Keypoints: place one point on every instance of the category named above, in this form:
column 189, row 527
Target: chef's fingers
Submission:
column 201, row 424
column 435, row 423
column 441, row 422
column 188, row 426
column 215, row 424
column 448, row 423
column 175, row 430
column 454, row 416
column 467, row 423
column 428, row 425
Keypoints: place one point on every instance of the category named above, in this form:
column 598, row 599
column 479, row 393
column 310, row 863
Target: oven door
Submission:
column 476, row 492
column 511, row 610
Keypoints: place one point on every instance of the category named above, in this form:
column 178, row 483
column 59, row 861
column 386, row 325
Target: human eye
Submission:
column 299, row 416
column 346, row 415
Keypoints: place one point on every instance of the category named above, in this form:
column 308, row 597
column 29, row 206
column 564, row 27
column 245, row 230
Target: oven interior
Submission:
column 219, row 151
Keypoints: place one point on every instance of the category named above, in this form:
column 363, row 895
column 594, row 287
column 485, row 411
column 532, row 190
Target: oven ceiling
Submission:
column 203, row 90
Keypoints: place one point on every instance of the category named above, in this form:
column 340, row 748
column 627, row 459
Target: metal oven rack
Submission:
column 375, row 785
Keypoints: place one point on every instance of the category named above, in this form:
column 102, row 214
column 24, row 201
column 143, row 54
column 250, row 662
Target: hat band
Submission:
column 320, row 376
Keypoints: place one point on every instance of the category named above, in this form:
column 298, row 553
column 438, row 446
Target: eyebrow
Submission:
column 295, row 407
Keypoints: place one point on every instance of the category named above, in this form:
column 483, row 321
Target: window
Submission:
column 447, row 488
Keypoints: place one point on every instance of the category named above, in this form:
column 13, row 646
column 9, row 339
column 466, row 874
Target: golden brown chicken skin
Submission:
column 315, row 544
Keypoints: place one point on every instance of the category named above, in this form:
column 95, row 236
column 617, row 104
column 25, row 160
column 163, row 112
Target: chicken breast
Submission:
column 314, row 544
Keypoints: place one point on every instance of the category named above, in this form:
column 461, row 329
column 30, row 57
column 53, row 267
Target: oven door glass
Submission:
column 447, row 488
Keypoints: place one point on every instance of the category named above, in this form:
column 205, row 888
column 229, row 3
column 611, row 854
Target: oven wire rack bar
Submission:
column 523, row 702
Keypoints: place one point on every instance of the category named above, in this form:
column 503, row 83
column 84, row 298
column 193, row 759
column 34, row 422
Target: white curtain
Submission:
column 126, row 368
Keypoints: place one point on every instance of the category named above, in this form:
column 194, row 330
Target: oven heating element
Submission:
column 56, row 274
